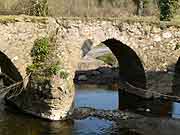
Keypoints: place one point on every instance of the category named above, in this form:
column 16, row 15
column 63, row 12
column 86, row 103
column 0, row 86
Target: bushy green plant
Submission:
column 32, row 68
column 63, row 74
column 56, row 69
column 40, row 50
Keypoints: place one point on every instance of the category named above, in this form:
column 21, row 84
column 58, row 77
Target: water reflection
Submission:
column 15, row 123
column 91, row 126
column 97, row 97
column 12, row 123
column 149, row 107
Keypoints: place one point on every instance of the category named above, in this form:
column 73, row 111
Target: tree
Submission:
column 38, row 8
column 168, row 9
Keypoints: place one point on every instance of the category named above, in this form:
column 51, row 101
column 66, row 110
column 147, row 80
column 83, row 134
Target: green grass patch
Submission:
column 32, row 68
column 108, row 58
column 56, row 69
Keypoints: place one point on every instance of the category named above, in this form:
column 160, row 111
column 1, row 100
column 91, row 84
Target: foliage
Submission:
column 168, row 9
column 177, row 46
column 99, row 8
column 63, row 74
column 43, row 65
column 40, row 50
column 56, row 69
column 38, row 8
column 32, row 68
column 108, row 58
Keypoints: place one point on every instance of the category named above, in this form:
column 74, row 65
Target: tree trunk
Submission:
column 140, row 7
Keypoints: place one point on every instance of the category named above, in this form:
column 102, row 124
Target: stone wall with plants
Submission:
column 51, row 48
column 156, row 43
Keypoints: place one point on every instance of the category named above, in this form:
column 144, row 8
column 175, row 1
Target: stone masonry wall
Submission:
column 156, row 45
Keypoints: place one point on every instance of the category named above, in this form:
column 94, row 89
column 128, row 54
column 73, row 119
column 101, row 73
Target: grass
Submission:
column 56, row 69
column 108, row 58
column 152, row 20
column 4, row 19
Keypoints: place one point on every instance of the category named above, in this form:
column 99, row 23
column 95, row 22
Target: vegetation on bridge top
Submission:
column 4, row 19
column 134, row 19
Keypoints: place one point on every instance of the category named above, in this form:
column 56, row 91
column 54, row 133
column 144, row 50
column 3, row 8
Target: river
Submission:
column 14, row 123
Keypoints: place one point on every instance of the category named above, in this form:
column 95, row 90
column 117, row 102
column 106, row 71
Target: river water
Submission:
column 12, row 123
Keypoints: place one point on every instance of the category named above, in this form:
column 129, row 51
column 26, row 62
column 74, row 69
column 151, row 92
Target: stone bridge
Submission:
column 147, row 53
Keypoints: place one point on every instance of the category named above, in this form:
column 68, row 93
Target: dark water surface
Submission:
column 12, row 123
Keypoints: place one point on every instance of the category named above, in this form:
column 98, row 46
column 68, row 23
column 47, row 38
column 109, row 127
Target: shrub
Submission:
column 56, row 69
column 40, row 49
column 32, row 68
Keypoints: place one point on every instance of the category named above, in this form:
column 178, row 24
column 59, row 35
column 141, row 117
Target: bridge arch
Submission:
column 131, row 69
column 130, row 66
column 176, row 81
column 8, row 68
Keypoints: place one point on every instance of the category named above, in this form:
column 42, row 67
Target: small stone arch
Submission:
column 86, row 47
column 8, row 68
column 130, row 65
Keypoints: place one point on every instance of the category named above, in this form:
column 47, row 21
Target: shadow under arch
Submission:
column 8, row 68
column 130, row 66
column 176, row 80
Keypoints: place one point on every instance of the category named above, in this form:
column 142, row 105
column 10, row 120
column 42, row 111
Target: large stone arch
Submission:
column 130, row 66
column 176, row 81
column 8, row 68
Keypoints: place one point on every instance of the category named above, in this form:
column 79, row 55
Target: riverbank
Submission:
column 99, row 76
column 139, row 123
